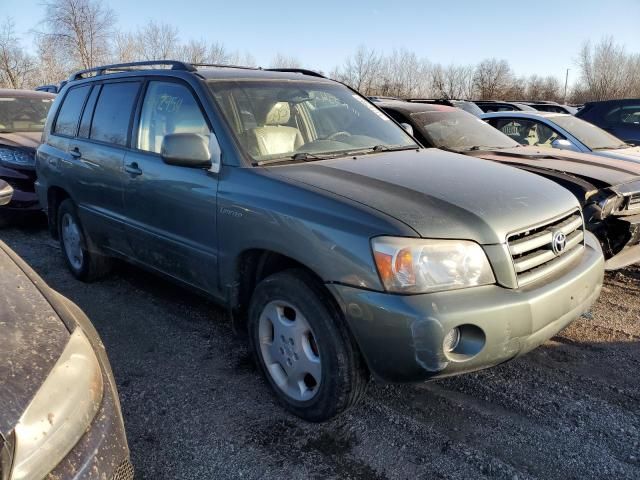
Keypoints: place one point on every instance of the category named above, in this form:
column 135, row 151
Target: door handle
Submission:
column 133, row 169
column 75, row 153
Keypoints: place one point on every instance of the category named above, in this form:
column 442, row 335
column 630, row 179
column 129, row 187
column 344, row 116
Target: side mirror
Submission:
column 563, row 144
column 408, row 128
column 191, row 150
column 6, row 193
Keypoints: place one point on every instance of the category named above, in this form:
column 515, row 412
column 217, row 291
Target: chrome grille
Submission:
column 634, row 201
column 533, row 253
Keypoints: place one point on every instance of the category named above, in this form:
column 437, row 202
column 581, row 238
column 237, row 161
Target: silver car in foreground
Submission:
column 562, row 131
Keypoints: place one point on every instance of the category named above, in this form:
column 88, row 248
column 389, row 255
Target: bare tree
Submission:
column 16, row 66
column 454, row 81
column 126, row 47
column 158, row 41
column 195, row 51
column 491, row 78
column 606, row 71
column 82, row 28
column 53, row 65
column 361, row 70
column 284, row 61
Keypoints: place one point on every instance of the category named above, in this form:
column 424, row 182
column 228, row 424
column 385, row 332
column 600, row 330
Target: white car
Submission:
column 562, row 131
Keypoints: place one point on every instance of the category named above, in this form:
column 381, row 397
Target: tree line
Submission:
column 80, row 34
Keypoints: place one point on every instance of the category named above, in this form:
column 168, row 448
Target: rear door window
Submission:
column 112, row 114
column 69, row 115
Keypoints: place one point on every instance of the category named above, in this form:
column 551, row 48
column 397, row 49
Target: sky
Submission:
column 539, row 36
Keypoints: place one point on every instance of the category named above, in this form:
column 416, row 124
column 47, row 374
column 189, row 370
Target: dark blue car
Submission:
column 618, row 117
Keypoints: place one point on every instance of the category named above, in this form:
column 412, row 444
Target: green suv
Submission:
column 345, row 248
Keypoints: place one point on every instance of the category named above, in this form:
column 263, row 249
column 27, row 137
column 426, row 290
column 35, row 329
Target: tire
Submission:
column 291, row 302
column 84, row 263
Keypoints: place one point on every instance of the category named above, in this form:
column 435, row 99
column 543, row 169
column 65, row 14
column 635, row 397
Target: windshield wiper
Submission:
column 381, row 148
column 297, row 157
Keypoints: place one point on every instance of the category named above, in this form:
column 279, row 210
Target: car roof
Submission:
column 613, row 102
column 525, row 114
column 11, row 92
column 415, row 107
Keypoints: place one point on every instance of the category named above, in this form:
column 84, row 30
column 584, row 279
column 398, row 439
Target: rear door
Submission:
column 98, row 150
column 171, row 210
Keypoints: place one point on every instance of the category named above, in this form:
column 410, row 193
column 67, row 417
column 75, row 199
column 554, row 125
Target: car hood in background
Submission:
column 604, row 170
column 32, row 338
column 632, row 154
column 440, row 194
column 30, row 140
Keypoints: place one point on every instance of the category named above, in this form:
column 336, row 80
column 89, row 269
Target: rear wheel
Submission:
column 304, row 348
column 85, row 264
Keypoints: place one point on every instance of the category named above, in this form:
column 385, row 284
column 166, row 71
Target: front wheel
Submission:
column 85, row 264
column 304, row 348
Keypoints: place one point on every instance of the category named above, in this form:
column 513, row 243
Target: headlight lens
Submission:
column 610, row 204
column 60, row 412
column 415, row 265
column 17, row 157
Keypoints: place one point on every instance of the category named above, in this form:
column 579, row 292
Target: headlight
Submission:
column 610, row 204
column 60, row 412
column 415, row 265
column 17, row 158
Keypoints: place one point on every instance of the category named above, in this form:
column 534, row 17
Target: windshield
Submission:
column 457, row 130
column 304, row 120
column 593, row 137
column 468, row 107
column 22, row 114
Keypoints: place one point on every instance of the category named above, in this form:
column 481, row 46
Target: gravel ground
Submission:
column 195, row 406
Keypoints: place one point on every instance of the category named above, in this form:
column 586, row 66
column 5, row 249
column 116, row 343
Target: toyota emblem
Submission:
column 559, row 242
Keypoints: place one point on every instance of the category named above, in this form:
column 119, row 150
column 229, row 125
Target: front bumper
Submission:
column 24, row 195
column 401, row 336
column 630, row 253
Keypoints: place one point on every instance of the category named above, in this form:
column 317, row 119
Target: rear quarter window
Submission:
column 69, row 114
column 113, row 112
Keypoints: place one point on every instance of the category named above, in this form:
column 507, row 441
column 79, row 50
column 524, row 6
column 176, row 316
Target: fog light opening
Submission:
column 463, row 342
column 451, row 340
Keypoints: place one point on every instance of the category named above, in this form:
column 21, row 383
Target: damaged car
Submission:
column 22, row 117
column 60, row 415
column 342, row 247
column 608, row 189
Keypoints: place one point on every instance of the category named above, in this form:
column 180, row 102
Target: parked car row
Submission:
column 608, row 189
column 342, row 246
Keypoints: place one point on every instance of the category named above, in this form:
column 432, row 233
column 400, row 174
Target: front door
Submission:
column 171, row 210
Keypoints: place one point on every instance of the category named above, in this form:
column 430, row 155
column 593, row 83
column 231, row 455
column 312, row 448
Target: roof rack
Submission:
column 303, row 71
column 123, row 67
column 176, row 65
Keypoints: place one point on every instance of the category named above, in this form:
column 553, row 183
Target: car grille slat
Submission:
column 532, row 250
column 634, row 201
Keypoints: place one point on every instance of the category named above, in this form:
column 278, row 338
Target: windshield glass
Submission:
column 593, row 137
column 468, row 107
column 278, row 119
column 22, row 114
column 457, row 130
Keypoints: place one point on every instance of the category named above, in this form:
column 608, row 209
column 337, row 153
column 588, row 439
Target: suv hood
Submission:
column 440, row 194
column 603, row 170
column 32, row 339
column 30, row 140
